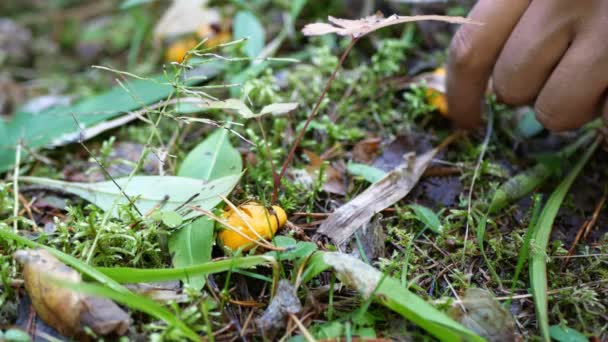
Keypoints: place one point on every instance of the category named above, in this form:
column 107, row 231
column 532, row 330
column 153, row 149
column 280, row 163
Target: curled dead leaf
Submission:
column 57, row 306
column 485, row 316
column 285, row 302
column 63, row 309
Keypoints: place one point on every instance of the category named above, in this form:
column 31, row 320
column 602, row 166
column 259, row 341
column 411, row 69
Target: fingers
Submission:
column 533, row 50
column 473, row 53
column 575, row 91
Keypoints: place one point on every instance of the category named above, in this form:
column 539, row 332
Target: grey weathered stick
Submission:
column 343, row 223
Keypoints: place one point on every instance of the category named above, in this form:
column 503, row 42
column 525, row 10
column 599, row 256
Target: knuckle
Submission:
column 462, row 53
column 549, row 118
column 508, row 93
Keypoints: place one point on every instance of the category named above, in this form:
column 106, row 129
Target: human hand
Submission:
column 550, row 53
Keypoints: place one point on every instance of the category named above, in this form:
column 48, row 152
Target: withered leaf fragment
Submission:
column 485, row 316
column 66, row 310
column 363, row 26
column 285, row 302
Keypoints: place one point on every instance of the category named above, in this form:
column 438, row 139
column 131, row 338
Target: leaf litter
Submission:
column 356, row 273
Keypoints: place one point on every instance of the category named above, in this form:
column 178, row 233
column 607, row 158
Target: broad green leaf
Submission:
column 565, row 334
column 370, row 282
column 369, row 173
column 192, row 244
column 427, row 216
column 171, row 218
column 278, row 108
column 214, row 157
column 243, row 110
column 293, row 249
column 56, row 126
column 247, row 25
column 148, row 192
column 540, row 240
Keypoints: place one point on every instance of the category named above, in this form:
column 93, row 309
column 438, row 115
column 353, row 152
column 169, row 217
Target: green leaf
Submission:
column 294, row 249
column 56, row 126
column 192, row 245
column 565, row 334
column 540, row 240
column 247, row 25
column 526, row 181
column 369, row 173
column 171, row 218
column 243, row 110
column 133, row 3
column 427, row 216
column 389, row 292
column 135, row 302
column 148, row 192
column 296, row 8
column 214, row 157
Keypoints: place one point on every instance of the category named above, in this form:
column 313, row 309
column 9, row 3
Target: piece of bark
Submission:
column 343, row 223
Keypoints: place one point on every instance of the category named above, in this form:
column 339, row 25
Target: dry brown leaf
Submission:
column 343, row 222
column 365, row 151
column 334, row 177
column 485, row 316
column 284, row 303
column 65, row 310
column 363, row 26
column 57, row 306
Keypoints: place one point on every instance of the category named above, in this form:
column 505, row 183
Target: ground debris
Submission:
column 63, row 309
column 284, row 303
column 485, row 316
column 343, row 223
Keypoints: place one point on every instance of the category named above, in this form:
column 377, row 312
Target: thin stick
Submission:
column 586, row 227
column 307, row 335
column 267, row 145
column 482, row 153
column 16, row 187
column 277, row 180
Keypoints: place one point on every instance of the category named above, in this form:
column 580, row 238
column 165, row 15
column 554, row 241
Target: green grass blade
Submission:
column 78, row 265
column 481, row 232
column 138, row 275
column 135, row 302
column 540, row 240
column 525, row 182
column 525, row 247
column 389, row 292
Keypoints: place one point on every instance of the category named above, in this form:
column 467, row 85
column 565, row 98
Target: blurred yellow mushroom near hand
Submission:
column 435, row 92
column 251, row 223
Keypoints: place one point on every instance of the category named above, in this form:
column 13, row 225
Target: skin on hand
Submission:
column 550, row 53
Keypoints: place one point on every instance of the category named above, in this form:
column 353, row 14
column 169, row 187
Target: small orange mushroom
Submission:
column 177, row 51
column 253, row 222
column 435, row 92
